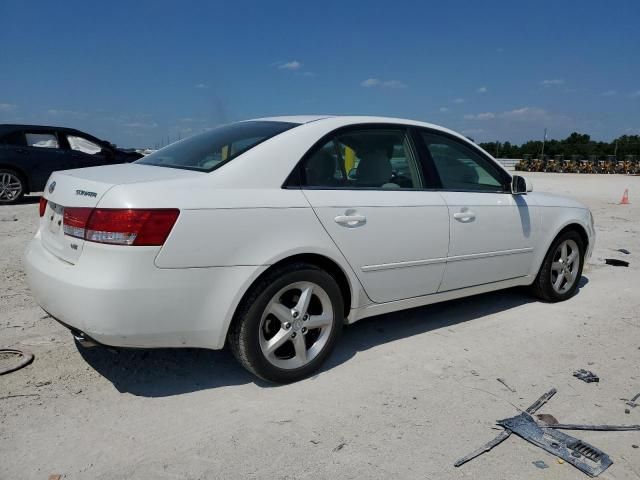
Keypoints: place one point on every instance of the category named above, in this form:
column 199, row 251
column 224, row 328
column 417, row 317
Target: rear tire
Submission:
column 12, row 187
column 561, row 269
column 288, row 323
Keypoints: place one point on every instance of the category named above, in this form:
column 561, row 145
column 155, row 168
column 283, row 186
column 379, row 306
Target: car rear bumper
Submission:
column 118, row 297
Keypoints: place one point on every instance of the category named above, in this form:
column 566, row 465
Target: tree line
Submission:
column 575, row 144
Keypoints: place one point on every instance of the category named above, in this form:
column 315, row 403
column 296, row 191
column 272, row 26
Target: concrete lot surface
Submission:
column 403, row 396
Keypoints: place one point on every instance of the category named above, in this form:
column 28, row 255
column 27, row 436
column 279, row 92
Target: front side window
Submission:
column 42, row 140
column 209, row 150
column 461, row 168
column 80, row 144
column 373, row 158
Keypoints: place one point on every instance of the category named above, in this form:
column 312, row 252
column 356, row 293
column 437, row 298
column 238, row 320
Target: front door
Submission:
column 367, row 187
column 492, row 231
column 84, row 152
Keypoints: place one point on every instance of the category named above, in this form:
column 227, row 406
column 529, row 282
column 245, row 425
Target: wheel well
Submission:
column 579, row 229
column 20, row 172
column 326, row 264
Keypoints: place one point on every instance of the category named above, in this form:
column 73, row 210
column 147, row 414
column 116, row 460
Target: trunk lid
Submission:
column 85, row 187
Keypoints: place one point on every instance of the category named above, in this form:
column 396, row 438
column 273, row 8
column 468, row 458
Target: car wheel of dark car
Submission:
column 12, row 187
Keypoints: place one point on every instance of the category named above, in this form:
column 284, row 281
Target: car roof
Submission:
column 9, row 127
column 346, row 120
column 299, row 119
column 6, row 128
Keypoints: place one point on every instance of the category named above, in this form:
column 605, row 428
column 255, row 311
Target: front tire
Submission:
column 12, row 187
column 288, row 323
column 561, row 269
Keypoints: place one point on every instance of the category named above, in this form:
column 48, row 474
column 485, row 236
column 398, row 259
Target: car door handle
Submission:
column 351, row 221
column 466, row 216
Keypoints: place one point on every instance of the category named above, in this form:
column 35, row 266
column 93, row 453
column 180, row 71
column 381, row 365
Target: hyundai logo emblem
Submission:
column 52, row 187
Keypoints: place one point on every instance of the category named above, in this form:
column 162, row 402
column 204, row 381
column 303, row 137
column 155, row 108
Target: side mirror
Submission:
column 520, row 185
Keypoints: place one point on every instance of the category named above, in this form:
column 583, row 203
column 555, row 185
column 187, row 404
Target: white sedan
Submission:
column 268, row 235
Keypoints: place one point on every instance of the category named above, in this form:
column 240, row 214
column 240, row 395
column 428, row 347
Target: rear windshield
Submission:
column 207, row 151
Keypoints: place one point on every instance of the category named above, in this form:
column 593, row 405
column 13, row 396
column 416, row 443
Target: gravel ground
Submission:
column 403, row 396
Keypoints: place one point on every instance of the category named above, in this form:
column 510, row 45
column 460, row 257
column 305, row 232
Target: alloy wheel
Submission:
column 565, row 266
column 296, row 325
column 10, row 187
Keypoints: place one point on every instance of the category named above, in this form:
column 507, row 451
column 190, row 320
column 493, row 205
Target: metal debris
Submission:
column 549, row 421
column 12, row 360
column 615, row 262
column 586, row 376
column 597, row 428
column 624, row 250
column 512, row 390
column 578, row 453
column 502, row 436
column 547, row 436
column 632, row 403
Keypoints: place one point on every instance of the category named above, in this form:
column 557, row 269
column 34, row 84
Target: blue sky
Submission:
column 136, row 72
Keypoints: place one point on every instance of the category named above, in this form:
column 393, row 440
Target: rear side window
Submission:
column 209, row 150
column 42, row 140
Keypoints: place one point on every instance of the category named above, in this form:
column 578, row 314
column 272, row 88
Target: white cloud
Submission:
column 458, row 101
column 609, row 93
column 370, row 82
column 519, row 114
column 635, row 94
column 444, row 109
column 54, row 111
column 480, row 116
column 306, row 74
column 141, row 125
column 292, row 65
column 525, row 113
column 186, row 120
column 482, row 90
column 555, row 81
column 202, row 85
column 394, row 84
column 7, row 107
column 376, row 82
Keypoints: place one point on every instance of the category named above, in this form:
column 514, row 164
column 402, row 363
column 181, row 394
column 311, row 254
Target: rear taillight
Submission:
column 75, row 221
column 43, row 206
column 120, row 227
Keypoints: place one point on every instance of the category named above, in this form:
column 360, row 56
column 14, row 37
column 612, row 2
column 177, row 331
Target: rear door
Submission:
column 45, row 155
column 492, row 231
column 369, row 191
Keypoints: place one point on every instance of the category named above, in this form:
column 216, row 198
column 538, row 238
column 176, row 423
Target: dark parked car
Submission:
column 30, row 153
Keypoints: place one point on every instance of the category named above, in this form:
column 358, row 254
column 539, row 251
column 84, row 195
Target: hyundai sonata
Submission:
column 268, row 235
